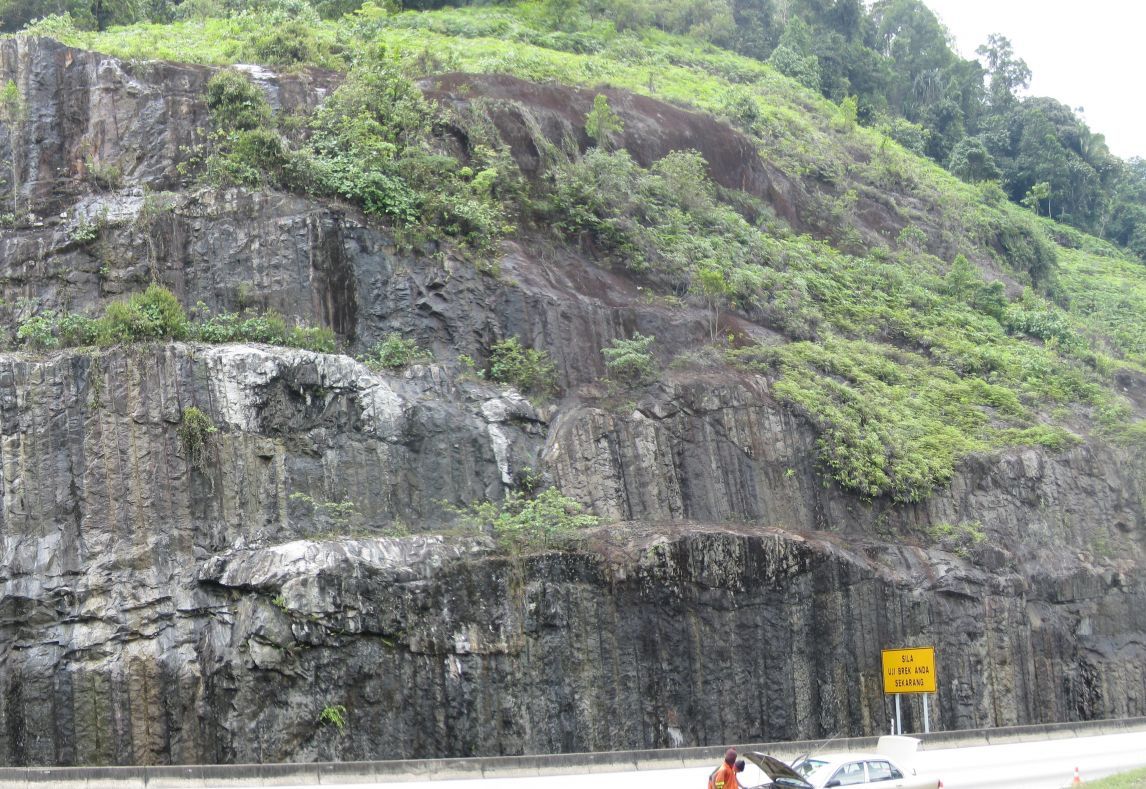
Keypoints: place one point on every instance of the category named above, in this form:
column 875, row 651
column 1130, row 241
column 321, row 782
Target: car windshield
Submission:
column 806, row 767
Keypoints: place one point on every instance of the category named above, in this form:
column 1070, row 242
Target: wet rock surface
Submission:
column 161, row 603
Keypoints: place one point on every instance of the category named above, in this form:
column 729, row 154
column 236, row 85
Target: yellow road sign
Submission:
column 909, row 670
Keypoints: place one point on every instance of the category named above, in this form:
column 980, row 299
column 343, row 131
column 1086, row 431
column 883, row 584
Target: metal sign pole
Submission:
column 909, row 670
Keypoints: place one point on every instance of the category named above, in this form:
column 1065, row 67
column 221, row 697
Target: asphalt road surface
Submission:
column 1045, row 764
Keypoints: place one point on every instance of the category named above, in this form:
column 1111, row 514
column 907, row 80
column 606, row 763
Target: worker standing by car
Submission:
column 725, row 775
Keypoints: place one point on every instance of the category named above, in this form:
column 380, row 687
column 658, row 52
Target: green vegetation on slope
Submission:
column 890, row 64
column 156, row 314
column 796, row 127
column 902, row 354
column 903, row 370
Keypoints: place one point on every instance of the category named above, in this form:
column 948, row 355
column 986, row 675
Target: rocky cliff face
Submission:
column 162, row 602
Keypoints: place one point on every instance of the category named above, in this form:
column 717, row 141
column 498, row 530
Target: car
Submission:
column 839, row 769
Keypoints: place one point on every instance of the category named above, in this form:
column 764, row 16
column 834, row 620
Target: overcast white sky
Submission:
column 1085, row 53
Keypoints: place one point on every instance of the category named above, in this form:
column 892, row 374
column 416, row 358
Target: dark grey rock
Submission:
column 155, row 611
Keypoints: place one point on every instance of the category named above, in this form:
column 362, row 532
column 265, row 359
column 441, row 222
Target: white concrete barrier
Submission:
column 342, row 773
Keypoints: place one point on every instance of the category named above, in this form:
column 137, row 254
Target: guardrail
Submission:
column 189, row 776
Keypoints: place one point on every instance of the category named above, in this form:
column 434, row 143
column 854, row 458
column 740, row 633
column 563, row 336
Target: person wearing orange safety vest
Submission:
column 724, row 776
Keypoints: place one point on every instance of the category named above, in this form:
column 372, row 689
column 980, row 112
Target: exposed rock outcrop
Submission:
column 161, row 602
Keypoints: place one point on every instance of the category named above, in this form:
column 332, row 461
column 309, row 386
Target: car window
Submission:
column 806, row 767
column 849, row 775
column 880, row 771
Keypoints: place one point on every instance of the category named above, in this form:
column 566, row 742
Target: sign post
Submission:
column 909, row 671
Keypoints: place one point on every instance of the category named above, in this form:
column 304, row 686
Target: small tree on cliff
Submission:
column 13, row 112
column 631, row 361
column 711, row 284
column 602, row 123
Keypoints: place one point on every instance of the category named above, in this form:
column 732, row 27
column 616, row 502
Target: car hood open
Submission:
column 778, row 771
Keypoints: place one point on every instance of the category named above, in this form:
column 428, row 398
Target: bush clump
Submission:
column 875, row 438
column 156, row 314
column 39, row 331
column 235, row 103
column 394, row 352
column 547, row 520
column 286, row 44
column 959, row 538
column 630, row 362
column 244, row 148
column 371, row 142
column 74, row 330
column 1026, row 248
column 268, row 327
column 194, row 430
column 319, row 339
column 530, row 370
column 1037, row 317
column 665, row 220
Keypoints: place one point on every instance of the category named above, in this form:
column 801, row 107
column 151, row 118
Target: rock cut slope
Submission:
column 159, row 605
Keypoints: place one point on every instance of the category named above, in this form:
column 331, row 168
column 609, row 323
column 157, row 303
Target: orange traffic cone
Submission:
column 1077, row 781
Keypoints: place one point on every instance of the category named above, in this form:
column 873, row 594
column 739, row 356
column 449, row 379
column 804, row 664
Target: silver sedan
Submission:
column 843, row 769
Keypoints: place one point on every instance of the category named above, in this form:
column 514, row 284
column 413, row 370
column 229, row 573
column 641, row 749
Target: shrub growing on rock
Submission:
column 333, row 715
column 39, row 331
column 549, row 519
column 325, row 514
column 195, row 429
column 235, row 103
column 602, row 123
column 394, row 353
column 319, row 339
column 76, row 330
column 629, row 361
column 529, row 369
column 268, row 327
column 155, row 314
column 370, row 142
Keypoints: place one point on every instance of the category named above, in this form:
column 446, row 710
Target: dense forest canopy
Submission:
column 895, row 58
